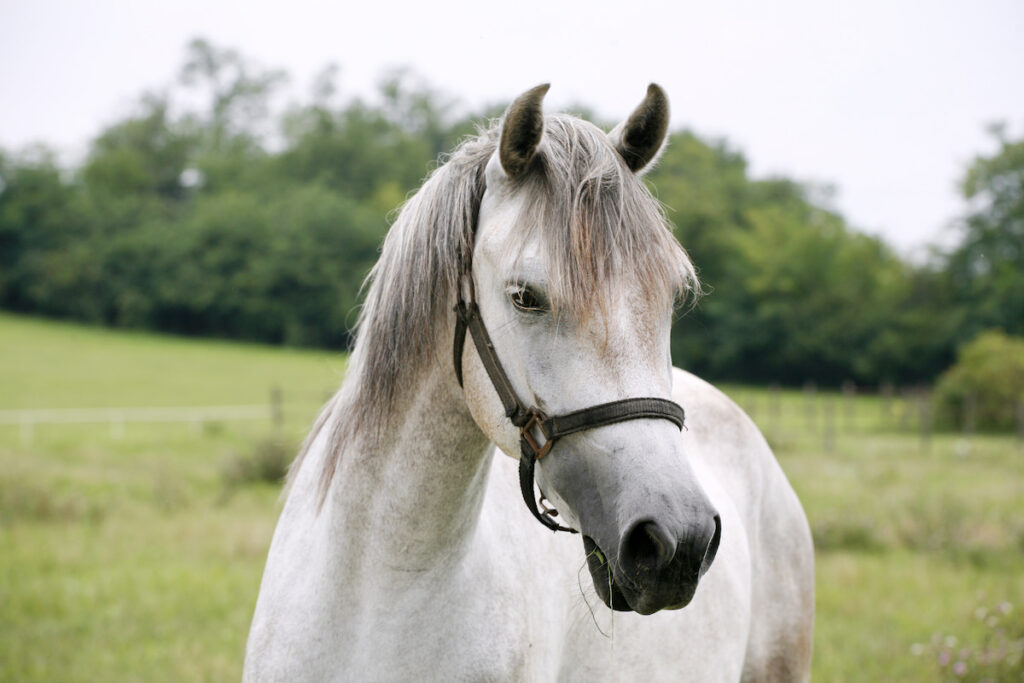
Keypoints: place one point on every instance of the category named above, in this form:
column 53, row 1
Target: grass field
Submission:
column 136, row 554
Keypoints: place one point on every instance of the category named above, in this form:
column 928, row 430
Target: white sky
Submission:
column 886, row 100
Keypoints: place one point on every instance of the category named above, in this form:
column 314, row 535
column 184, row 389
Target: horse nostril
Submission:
column 712, row 549
column 647, row 546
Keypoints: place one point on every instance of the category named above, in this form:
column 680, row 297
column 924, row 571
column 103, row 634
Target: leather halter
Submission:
column 532, row 423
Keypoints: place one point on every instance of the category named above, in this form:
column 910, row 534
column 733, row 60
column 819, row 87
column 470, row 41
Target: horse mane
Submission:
column 597, row 220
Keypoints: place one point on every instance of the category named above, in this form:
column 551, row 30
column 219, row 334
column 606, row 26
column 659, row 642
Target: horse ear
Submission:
column 521, row 133
column 640, row 138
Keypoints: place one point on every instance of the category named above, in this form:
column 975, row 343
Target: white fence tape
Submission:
column 117, row 417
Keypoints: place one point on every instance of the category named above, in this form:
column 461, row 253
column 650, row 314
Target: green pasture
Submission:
column 135, row 552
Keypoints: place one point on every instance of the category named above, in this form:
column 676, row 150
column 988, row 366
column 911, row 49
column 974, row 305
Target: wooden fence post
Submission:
column 774, row 411
column 924, row 420
column 276, row 409
column 828, row 412
column 886, row 392
column 849, row 405
column 908, row 404
column 1020, row 423
column 810, row 405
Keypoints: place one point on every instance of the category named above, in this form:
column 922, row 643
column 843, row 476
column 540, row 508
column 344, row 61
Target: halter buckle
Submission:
column 546, row 509
column 537, row 419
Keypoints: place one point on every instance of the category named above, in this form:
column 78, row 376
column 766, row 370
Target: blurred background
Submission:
column 191, row 195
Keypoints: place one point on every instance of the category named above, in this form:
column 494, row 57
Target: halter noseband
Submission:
column 531, row 421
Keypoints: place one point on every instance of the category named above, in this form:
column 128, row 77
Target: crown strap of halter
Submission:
column 538, row 432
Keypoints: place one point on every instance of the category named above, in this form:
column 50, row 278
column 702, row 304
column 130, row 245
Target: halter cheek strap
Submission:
column 537, row 432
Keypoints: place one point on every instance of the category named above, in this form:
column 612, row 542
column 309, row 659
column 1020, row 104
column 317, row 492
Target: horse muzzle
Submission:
column 653, row 567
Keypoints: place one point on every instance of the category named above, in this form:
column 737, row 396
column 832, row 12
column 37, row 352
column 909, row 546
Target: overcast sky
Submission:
column 887, row 101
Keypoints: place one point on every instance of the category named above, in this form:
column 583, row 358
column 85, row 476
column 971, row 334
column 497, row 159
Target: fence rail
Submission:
column 186, row 414
column 117, row 418
column 829, row 415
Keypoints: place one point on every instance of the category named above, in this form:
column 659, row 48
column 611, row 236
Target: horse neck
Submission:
column 413, row 494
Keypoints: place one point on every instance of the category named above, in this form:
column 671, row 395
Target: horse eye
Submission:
column 525, row 299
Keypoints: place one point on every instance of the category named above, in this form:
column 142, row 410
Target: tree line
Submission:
column 202, row 213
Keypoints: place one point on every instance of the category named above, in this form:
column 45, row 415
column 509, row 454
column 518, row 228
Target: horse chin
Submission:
column 621, row 597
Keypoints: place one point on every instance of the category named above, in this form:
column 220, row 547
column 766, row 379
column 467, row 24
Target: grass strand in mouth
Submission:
column 600, row 558
column 611, row 611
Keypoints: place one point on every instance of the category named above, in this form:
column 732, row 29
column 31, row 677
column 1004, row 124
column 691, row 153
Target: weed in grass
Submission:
column 21, row 501
column 169, row 492
column 267, row 462
column 213, row 428
column 853, row 532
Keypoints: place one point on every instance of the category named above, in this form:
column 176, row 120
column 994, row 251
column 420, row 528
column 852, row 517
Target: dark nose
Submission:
column 647, row 548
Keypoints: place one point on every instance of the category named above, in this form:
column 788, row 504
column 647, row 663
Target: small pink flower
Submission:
column 960, row 668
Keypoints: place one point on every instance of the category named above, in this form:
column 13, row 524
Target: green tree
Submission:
column 986, row 270
column 237, row 93
column 985, row 385
column 234, row 118
column 370, row 153
column 41, row 216
column 184, row 218
column 142, row 155
column 803, row 298
column 792, row 292
column 704, row 188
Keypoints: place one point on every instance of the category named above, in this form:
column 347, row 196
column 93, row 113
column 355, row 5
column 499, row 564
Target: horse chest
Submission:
column 465, row 621
column 469, row 623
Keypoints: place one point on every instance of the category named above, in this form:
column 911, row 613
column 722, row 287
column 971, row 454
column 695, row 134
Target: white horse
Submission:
column 404, row 551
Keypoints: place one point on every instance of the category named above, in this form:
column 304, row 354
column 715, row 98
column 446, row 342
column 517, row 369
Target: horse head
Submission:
column 576, row 273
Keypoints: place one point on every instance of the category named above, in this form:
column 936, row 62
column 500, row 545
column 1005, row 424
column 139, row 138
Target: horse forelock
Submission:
column 598, row 224
column 596, row 221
